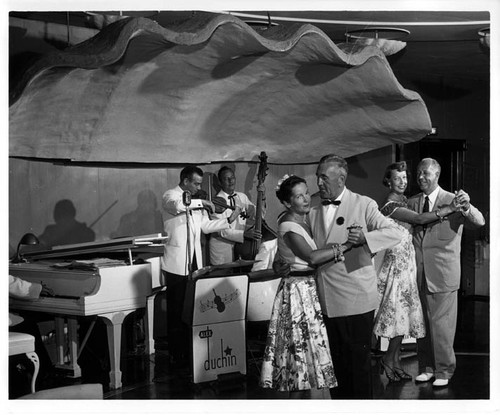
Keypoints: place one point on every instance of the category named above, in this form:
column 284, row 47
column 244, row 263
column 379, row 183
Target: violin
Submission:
column 221, row 205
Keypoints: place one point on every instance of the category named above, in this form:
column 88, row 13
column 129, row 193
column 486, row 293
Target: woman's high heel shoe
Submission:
column 402, row 374
column 389, row 372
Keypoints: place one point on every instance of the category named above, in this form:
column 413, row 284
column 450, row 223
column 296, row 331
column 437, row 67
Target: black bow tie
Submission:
column 330, row 202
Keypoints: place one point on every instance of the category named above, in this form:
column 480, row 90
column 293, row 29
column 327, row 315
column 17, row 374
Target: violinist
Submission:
column 183, row 252
column 221, row 244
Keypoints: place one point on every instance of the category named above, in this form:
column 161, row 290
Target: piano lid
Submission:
column 111, row 245
column 73, row 283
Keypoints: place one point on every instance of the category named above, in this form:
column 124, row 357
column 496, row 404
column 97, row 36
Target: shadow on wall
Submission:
column 144, row 220
column 66, row 230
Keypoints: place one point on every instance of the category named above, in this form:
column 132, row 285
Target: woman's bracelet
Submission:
column 338, row 254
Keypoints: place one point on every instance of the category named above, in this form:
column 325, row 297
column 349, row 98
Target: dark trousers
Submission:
column 177, row 331
column 350, row 345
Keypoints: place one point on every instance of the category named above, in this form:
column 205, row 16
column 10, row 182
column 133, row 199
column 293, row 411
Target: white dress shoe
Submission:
column 440, row 382
column 424, row 377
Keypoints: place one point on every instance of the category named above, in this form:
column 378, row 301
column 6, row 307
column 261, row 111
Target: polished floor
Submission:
column 151, row 377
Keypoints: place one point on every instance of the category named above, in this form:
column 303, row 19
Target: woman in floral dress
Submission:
column 400, row 312
column 297, row 355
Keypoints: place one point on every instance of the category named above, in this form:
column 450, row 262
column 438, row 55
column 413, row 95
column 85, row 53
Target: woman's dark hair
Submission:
column 399, row 166
column 284, row 193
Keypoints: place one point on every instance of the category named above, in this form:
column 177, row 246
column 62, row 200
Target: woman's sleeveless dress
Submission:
column 297, row 354
column 400, row 311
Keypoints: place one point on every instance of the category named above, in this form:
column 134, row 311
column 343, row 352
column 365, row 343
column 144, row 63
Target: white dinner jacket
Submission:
column 222, row 244
column 175, row 256
column 350, row 287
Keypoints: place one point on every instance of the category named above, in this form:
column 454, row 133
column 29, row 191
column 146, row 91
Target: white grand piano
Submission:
column 88, row 280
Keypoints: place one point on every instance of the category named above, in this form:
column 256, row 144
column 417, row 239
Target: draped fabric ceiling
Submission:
column 210, row 89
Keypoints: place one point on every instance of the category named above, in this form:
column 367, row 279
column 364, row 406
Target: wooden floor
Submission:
column 471, row 381
column 151, row 378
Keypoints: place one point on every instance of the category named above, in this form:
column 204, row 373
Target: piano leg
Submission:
column 114, row 322
column 71, row 368
column 73, row 346
column 149, row 319
column 60, row 341
column 148, row 322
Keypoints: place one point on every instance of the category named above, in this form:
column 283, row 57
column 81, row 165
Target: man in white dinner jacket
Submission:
column 347, row 290
column 182, row 253
column 223, row 243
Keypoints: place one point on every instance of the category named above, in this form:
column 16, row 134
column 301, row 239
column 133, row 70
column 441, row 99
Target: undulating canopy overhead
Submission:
column 211, row 89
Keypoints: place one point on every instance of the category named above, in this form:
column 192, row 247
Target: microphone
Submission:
column 186, row 198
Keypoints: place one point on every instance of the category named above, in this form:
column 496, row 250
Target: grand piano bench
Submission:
column 22, row 343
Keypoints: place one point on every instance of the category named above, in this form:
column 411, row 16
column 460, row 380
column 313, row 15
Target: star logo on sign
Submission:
column 228, row 351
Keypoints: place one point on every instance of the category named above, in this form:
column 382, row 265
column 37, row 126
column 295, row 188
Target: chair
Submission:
column 22, row 343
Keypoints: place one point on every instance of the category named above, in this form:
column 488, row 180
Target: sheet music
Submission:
column 90, row 264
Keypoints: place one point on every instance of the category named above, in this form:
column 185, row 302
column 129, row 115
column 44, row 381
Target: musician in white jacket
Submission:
column 222, row 244
column 182, row 253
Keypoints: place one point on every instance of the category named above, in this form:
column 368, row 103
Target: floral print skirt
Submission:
column 400, row 311
column 297, row 354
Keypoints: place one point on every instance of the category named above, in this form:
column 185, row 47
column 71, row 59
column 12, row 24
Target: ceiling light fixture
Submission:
column 385, row 38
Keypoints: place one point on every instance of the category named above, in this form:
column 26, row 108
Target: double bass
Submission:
column 250, row 247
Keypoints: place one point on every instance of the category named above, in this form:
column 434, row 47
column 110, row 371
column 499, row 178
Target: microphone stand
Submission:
column 186, row 201
column 188, row 229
